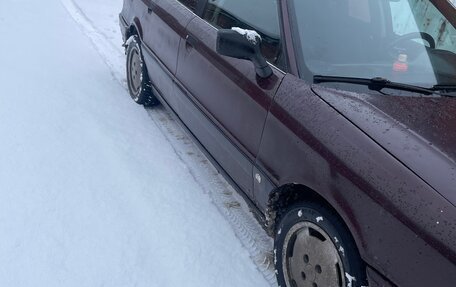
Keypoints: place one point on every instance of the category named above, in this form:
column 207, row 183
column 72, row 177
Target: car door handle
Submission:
column 149, row 10
column 190, row 41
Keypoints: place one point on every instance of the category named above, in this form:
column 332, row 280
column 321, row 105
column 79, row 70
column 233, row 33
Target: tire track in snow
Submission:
column 231, row 205
column 112, row 54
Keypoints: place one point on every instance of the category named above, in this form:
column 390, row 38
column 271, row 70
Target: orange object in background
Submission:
column 401, row 64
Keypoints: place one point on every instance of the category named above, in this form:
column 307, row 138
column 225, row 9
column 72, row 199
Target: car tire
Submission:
column 312, row 247
column 138, row 81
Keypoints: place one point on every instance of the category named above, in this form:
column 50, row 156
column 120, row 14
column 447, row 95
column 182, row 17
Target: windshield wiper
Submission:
column 451, row 89
column 375, row 84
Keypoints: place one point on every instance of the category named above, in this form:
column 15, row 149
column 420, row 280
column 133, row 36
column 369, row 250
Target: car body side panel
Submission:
column 392, row 214
column 418, row 131
column 131, row 13
column 166, row 22
column 228, row 92
column 126, row 10
column 123, row 27
column 376, row 280
column 163, row 25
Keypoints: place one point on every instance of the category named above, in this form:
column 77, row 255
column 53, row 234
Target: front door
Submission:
column 227, row 91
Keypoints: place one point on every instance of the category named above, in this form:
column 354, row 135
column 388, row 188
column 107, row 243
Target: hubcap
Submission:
column 310, row 258
column 135, row 78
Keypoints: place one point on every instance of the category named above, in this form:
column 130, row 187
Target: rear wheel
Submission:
column 313, row 248
column 138, row 81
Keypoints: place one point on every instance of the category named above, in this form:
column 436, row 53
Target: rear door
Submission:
column 226, row 103
column 163, row 26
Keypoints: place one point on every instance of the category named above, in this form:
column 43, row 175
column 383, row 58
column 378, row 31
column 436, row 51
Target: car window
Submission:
column 259, row 15
column 430, row 21
column 406, row 41
column 191, row 4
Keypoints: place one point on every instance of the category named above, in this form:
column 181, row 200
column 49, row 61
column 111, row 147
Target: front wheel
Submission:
column 313, row 248
column 138, row 81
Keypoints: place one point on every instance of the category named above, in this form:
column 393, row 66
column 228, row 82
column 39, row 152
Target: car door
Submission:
column 163, row 26
column 225, row 102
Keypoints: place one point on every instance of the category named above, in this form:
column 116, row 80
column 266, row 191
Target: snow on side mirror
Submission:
column 243, row 44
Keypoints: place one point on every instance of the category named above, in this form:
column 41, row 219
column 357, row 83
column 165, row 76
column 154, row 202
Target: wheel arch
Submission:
column 282, row 197
column 135, row 28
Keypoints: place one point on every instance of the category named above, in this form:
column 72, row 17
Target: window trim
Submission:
column 186, row 7
column 202, row 5
column 302, row 71
column 200, row 8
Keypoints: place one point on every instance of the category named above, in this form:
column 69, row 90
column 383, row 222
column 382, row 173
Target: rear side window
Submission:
column 259, row 15
column 191, row 4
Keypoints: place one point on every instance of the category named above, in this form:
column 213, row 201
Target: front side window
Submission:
column 406, row 41
column 191, row 4
column 259, row 15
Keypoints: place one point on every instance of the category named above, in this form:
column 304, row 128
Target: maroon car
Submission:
column 336, row 119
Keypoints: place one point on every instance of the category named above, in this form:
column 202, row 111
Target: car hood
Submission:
column 418, row 131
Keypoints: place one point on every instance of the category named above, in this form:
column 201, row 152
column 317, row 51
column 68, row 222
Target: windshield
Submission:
column 405, row 41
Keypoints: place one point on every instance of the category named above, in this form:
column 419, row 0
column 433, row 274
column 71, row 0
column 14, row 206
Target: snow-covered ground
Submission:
column 95, row 190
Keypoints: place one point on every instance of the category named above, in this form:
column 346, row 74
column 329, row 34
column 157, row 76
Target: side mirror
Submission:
column 243, row 44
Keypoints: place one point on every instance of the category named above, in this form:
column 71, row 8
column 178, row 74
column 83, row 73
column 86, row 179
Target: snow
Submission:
column 350, row 279
column 93, row 193
column 251, row 35
column 342, row 250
